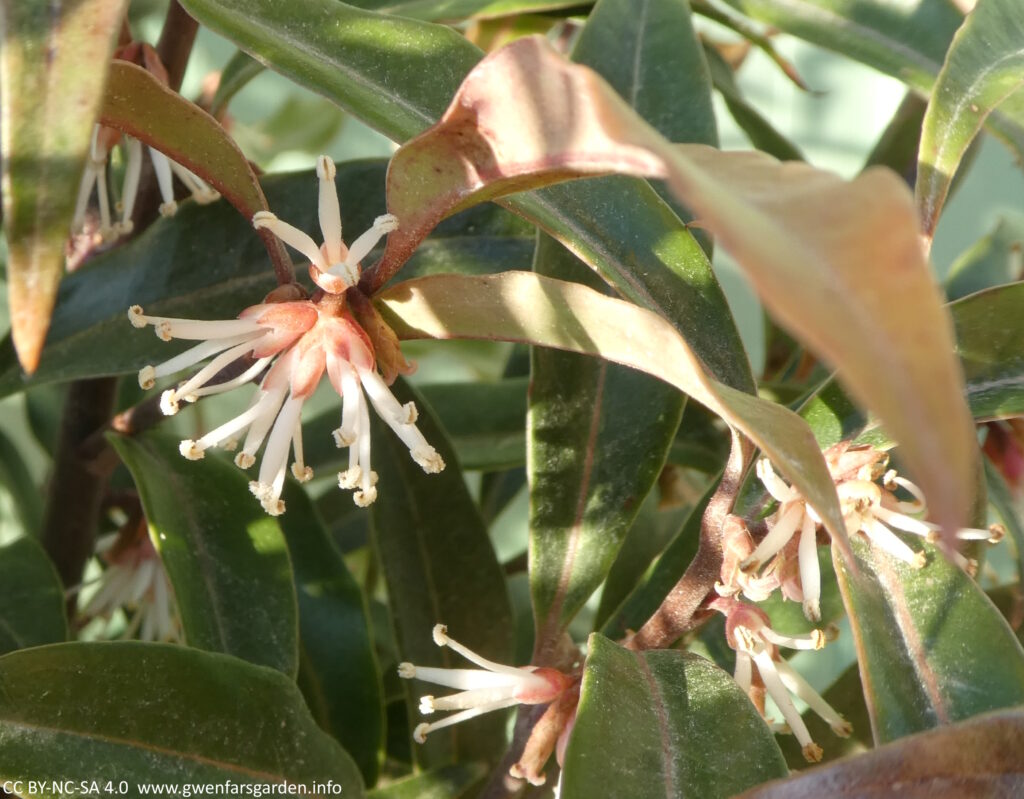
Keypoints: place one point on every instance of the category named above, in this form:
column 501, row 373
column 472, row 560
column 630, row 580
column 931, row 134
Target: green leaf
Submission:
column 587, row 418
column 338, row 671
column 997, row 258
column 156, row 713
column 664, row 724
column 395, row 74
column 445, row 782
column 226, row 559
column 17, row 480
column 978, row 758
column 32, row 602
column 53, row 59
column 398, row 75
column 440, row 568
column 224, row 270
column 932, row 648
column 984, row 66
column 664, row 573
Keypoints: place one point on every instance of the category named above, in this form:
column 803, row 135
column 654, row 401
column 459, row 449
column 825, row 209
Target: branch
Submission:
column 676, row 615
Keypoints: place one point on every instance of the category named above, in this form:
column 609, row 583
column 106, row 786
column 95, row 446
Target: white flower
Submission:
column 491, row 687
column 295, row 342
column 135, row 581
column 756, row 643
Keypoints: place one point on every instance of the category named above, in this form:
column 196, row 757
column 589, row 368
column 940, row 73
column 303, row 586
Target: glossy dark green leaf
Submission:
column 664, row 724
column 977, row 759
column 440, row 568
column 905, row 40
column 398, row 75
column 664, row 573
column 984, row 66
column 997, row 258
column 338, row 671
column 758, row 129
column 158, row 713
column 53, row 59
column 206, row 262
column 932, row 648
column 226, row 559
column 587, row 418
column 32, row 599
column 445, row 782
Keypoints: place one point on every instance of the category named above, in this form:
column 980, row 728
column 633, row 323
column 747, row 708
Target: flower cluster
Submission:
column 494, row 686
column 292, row 344
column 104, row 140
column 757, row 647
column 135, row 581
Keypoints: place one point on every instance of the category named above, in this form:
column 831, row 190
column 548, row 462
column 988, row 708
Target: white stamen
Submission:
column 292, row 236
column 441, row 638
column 132, row 174
column 777, row 691
column 886, row 540
column 773, row 483
column 165, row 180
column 422, row 730
column 362, row 246
column 814, row 640
column 777, row 537
column 798, row 686
column 810, row 572
column 329, row 211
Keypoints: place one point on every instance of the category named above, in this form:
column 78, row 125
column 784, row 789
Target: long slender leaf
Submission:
column 226, row 559
column 53, row 59
column 440, row 567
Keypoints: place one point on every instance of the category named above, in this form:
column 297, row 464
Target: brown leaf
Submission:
column 978, row 759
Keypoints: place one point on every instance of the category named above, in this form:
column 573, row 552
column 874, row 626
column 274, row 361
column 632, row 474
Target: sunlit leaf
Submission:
column 53, row 59
column 226, row 559
column 440, row 568
column 932, row 648
column 664, row 724
column 32, row 600
column 976, row 759
column 454, row 10
column 984, row 66
column 338, row 671
column 815, row 247
column 516, row 306
column 154, row 713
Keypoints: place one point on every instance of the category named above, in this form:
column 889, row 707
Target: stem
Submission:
column 175, row 44
column 76, row 487
column 676, row 615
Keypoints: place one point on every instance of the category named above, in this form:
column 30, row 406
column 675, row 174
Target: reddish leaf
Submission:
column 840, row 264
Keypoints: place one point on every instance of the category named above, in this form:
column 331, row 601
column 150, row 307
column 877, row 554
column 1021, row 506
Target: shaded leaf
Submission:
column 235, row 76
column 225, row 558
column 973, row 760
column 155, row 713
column 48, row 64
column 1005, row 507
column 587, row 418
column 815, row 247
column 440, row 567
column 664, row 724
column 17, row 480
column 995, row 259
column 338, row 671
column 932, row 648
column 206, row 262
column 984, row 66
column 32, row 600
